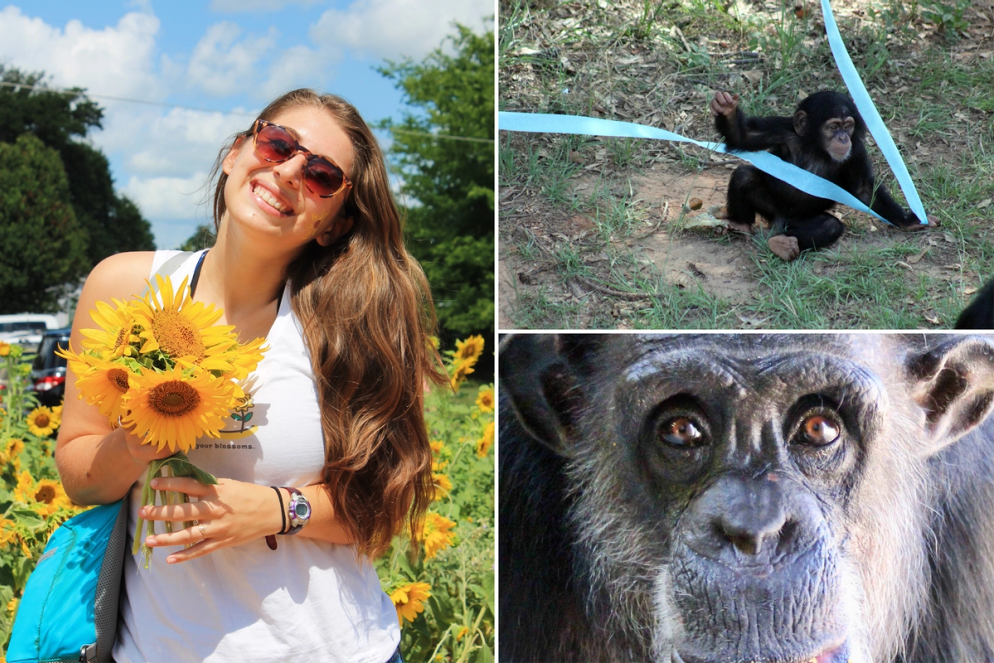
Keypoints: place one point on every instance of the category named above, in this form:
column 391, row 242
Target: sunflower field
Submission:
column 444, row 598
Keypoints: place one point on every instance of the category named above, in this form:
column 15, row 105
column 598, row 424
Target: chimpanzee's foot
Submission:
column 784, row 246
column 744, row 228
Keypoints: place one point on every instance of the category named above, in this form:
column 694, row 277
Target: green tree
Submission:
column 42, row 245
column 202, row 238
column 450, row 223
column 61, row 120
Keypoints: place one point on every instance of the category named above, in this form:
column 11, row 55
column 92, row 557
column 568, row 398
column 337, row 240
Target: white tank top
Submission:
column 306, row 600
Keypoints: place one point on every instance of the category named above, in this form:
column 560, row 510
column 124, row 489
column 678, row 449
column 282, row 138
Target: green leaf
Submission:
column 484, row 655
column 27, row 518
column 182, row 467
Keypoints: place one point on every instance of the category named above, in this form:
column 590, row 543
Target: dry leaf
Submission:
column 915, row 259
column 703, row 220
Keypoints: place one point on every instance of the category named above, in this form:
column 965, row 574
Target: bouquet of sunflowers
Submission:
column 160, row 366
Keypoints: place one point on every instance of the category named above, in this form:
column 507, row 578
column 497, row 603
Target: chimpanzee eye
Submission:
column 818, row 430
column 681, row 432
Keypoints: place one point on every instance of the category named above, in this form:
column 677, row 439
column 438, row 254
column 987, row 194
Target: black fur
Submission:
column 791, row 211
column 980, row 313
column 918, row 439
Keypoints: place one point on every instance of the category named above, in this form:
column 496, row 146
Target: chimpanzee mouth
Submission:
column 836, row 653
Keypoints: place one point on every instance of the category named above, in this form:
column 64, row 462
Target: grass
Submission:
column 567, row 201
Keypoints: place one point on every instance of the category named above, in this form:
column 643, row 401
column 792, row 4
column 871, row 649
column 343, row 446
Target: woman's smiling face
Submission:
column 272, row 199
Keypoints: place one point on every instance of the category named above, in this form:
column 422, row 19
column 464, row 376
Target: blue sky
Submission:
column 214, row 64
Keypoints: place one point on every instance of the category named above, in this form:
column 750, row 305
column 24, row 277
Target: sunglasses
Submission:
column 276, row 144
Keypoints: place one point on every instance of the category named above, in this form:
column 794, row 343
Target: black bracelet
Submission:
column 271, row 538
column 282, row 508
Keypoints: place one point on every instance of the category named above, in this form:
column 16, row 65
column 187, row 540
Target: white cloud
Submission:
column 237, row 6
column 220, row 65
column 115, row 61
column 392, row 29
column 168, row 197
column 296, row 66
column 180, row 141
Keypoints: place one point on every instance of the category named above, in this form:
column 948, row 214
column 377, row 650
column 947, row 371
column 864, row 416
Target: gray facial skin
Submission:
column 746, row 498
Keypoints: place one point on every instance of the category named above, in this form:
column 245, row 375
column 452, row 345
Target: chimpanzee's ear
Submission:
column 540, row 375
column 954, row 384
column 800, row 122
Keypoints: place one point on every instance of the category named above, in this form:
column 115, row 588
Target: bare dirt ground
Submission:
column 661, row 237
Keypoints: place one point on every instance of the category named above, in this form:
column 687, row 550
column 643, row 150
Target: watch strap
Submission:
column 294, row 493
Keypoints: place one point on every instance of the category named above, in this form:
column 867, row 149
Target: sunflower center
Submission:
column 42, row 420
column 177, row 334
column 122, row 337
column 118, row 378
column 174, row 398
column 45, row 494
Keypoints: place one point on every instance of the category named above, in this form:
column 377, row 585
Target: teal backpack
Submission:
column 69, row 609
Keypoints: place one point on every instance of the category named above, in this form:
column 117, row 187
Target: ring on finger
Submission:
column 203, row 531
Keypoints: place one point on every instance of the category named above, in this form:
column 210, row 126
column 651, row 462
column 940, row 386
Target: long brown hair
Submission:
column 367, row 315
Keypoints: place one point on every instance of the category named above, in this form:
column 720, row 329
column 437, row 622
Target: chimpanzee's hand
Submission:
column 724, row 103
column 912, row 223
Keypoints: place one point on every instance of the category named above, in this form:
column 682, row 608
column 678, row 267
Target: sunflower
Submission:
column 4, row 349
column 49, row 496
column 435, row 533
column 247, row 358
column 470, row 349
column 172, row 409
column 42, row 422
column 25, row 482
column 184, row 329
column 12, row 453
column 116, row 333
column 436, row 446
column 7, row 531
column 484, row 443
column 409, row 600
column 106, row 385
column 462, row 369
column 442, row 485
column 485, row 400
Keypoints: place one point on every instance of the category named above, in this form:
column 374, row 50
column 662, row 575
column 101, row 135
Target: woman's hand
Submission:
column 229, row 514
column 143, row 454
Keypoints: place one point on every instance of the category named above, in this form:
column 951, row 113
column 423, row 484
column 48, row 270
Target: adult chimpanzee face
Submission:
column 747, row 498
column 753, row 457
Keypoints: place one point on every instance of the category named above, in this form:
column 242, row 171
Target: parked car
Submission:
column 48, row 371
column 26, row 329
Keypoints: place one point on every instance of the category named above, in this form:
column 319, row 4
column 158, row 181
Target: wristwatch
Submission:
column 299, row 511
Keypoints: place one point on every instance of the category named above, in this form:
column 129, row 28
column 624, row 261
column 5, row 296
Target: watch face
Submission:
column 302, row 510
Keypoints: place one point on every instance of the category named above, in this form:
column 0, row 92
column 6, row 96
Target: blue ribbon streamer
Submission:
column 870, row 115
column 768, row 163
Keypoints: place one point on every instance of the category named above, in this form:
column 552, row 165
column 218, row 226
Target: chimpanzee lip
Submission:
column 838, row 652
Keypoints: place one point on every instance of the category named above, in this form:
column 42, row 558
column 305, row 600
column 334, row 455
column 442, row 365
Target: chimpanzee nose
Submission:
column 742, row 514
column 754, row 517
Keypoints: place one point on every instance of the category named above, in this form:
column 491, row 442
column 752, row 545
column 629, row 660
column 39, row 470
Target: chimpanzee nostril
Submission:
column 753, row 534
column 753, row 517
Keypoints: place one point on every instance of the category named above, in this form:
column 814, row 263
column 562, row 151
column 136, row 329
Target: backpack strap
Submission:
column 166, row 269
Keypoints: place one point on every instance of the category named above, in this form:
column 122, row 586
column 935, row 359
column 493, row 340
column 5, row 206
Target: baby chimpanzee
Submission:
column 825, row 137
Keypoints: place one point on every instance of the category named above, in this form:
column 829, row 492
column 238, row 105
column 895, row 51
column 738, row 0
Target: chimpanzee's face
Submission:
column 734, row 468
column 836, row 137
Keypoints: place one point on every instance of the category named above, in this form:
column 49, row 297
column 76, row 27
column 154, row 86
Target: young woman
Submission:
column 309, row 254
